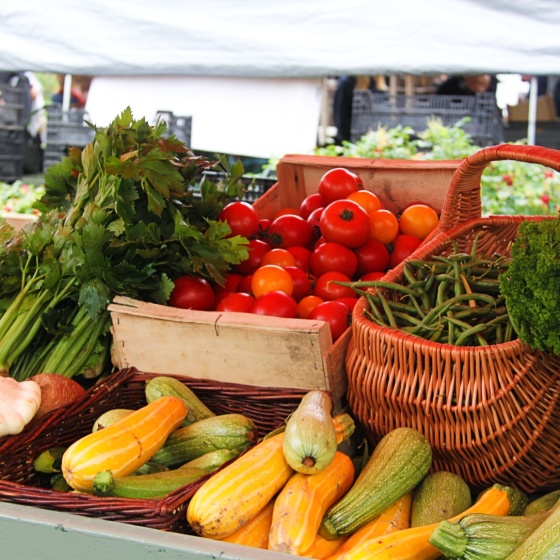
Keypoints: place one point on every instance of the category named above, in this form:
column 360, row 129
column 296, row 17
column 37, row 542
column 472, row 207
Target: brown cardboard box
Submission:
column 546, row 111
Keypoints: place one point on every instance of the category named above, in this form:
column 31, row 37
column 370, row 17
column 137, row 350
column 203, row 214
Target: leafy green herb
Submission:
column 531, row 285
column 123, row 216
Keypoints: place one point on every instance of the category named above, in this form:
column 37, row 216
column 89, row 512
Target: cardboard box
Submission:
column 546, row 111
column 253, row 349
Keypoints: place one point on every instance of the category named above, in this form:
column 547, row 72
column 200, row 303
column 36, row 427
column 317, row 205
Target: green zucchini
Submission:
column 544, row 502
column 397, row 465
column 50, row 460
column 146, row 486
column 226, row 431
column 110, row 417
column 59, row 484
column 163, row 385
column 213, row 459
column 440, row 496
column 544, row 542
column 149, row 467
column 480, row 536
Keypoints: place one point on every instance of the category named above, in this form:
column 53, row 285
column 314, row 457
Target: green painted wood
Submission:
column 38, row 534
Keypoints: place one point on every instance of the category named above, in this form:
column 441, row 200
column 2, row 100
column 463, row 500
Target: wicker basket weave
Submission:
column 492, row 414
column 19, row 483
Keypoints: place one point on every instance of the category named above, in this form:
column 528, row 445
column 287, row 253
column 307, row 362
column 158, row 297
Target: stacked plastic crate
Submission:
column 483, row 119
column 65, row 129
column 180, row 127
column 12, row 132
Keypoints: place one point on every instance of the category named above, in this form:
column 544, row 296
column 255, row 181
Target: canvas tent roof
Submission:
column 280, row 38
column 231, row 64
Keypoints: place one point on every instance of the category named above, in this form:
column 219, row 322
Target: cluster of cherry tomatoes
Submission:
column 302, row 261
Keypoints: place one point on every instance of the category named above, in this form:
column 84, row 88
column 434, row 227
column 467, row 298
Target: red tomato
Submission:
column 276, row 304
column 338, row 183
column 301, row 281
column 372, row 256
column 333, row 256
column 264, row 224
column 349, row 302
column 307, row 304
column 289, row 230
column 315, row 220
column 279, row 256
column 302, row 256
column 310, row 203
column 257, row 250
column 192, row 292
column 345, row 222
column 232, row 281
column 241, row 217
column 403, row 247
column 336, row 314
column 239, row 302
column 245, row 285
column 326, row 288
column 372, row 276
column 271, row 278
column 418, row 220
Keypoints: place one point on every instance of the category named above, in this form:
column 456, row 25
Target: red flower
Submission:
column 508, row 180
column 545, row 198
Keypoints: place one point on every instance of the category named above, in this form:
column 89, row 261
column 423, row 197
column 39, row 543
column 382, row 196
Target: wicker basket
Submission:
column 492, row 414
column 463, row 201
column 20, row 484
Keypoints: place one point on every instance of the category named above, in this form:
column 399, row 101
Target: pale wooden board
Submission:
column 230, row 347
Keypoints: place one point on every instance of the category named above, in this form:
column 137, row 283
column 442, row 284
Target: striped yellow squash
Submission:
column 300, row 506
column 125, row 445
column 255, row 533
column 236, row 494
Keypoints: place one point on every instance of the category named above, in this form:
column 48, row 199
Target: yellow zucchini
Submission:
column 413, row 543
column 124, row 446
column 395, row 518
column 301, row 504
column 237, row 493
column 255, row 533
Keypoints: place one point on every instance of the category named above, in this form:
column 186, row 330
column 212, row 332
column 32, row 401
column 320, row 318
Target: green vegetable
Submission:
column 480, row 536
column 124, row 216
column 531, row 285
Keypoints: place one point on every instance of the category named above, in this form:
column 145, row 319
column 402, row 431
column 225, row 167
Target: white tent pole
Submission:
column 67, row 93
column 532, row 117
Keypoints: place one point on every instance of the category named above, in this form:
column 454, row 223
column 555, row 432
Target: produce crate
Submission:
column 12, row 140
column 12, row 103
column 180, row 127
column 371, row 110
column 21, row 484
column 267, row 351
column 11, row 168
column 65, row 129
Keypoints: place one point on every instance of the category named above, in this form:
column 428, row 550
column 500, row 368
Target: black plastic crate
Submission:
column 178, row 126
column 12, row 141
column 68, row 128
column 255, row 186
column 11, row 168
column 371, row 110
column 12, row 105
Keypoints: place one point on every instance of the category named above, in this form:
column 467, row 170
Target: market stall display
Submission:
column 240, row 442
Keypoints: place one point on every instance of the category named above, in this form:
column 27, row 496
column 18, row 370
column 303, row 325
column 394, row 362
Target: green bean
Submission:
column 465, row 335
column 388, row 312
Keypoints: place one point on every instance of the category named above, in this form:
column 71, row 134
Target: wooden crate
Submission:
column 253, row 349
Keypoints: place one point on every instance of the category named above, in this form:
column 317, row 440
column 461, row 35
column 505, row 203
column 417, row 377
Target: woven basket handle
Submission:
column 463, row 202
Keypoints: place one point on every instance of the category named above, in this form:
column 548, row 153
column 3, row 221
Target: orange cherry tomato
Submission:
column 307, row 304
column 271, row 278
column 281, row 257
column 418, row 220
column 384, row 225
column 368, row 200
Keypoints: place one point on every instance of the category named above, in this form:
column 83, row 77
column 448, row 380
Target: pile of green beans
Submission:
column 453, row 299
